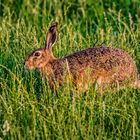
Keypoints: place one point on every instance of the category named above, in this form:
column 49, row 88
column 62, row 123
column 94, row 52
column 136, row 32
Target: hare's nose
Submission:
column 26, row 64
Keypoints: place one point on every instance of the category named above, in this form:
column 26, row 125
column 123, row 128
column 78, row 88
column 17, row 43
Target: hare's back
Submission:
column 103, row 59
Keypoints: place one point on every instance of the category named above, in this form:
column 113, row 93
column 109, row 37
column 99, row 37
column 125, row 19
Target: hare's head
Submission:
column 40, row 57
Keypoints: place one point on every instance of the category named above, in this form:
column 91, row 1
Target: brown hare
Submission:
column 106, row 66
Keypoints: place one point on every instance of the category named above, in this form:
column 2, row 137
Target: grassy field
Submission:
column 28, row 108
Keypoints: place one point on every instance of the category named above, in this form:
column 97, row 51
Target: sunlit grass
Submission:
column 28, row 108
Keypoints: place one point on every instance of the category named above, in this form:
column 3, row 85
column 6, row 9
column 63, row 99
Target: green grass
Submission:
column 28, row 108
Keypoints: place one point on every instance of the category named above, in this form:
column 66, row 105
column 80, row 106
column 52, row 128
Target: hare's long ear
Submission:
column 51, row 36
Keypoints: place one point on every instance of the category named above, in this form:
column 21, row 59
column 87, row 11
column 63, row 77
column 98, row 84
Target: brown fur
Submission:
column 106, row 66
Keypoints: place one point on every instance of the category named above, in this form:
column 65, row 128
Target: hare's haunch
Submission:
column 106, row 66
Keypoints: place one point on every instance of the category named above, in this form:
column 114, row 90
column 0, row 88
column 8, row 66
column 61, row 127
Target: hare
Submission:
column 106, row 66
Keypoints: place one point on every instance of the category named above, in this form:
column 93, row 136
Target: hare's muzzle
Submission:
column 28, row 64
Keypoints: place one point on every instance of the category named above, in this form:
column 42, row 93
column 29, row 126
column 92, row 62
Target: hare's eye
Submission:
column 37, row 54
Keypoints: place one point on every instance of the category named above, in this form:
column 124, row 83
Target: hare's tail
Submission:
column 137, row 83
